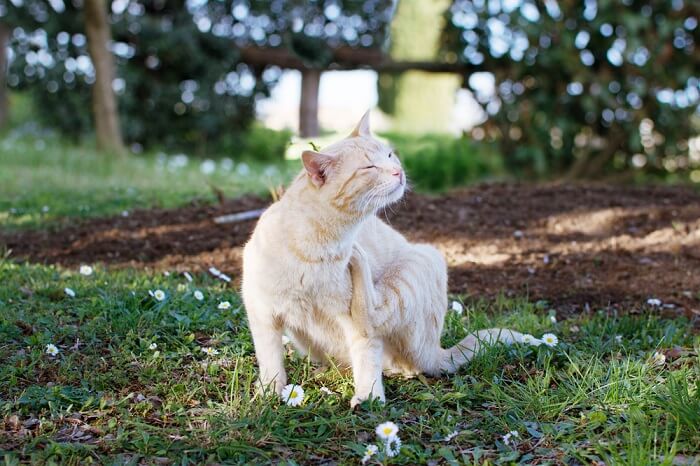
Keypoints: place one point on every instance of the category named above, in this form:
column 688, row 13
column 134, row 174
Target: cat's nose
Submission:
column 397, row 172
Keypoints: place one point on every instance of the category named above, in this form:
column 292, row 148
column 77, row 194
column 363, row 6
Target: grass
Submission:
column 43, row 180
column 109, row 398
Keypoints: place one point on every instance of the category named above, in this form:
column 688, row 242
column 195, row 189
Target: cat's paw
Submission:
column 268, row 388
column 359, row 399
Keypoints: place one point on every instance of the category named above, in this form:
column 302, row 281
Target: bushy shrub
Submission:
column 437, row 162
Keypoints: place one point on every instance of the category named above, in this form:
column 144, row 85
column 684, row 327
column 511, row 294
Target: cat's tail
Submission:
column 453, row 358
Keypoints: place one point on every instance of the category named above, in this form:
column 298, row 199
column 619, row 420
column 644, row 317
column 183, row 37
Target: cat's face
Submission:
column 358, row 174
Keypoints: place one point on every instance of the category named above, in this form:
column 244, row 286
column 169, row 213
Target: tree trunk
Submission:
column 4, row 101
column 308, row 107
column 104, row 102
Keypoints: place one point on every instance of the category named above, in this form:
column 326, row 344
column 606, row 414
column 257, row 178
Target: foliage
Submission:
column 178, row 85
column 438, row 162
column 110, row 397
column 584, row 86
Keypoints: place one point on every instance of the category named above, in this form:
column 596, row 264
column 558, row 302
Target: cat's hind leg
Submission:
column 269, row 350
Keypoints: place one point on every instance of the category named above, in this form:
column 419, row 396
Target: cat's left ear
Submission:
column 317, row 165
column 362, row 128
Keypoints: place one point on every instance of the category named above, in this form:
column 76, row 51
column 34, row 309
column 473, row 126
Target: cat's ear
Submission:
column 362, row 128
column 317, row 165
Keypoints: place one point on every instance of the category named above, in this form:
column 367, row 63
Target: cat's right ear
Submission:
column 317, row 166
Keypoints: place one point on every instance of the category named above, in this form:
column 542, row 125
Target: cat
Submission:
column 321, row 267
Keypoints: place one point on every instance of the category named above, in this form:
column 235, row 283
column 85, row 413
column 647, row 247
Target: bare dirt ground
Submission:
column 576, row 246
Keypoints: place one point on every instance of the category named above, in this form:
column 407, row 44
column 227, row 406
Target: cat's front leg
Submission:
column 366, row 356
column 269, row 351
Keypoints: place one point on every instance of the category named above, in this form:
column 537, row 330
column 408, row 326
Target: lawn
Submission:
column 140, row 380
column 131, row 382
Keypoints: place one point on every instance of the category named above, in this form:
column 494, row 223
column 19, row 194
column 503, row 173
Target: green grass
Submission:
column 43, row 180
column 108, row 398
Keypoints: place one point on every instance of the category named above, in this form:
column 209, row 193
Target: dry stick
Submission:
column 240, row 216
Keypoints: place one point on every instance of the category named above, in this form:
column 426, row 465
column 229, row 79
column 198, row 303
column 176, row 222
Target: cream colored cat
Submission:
column 323, row 268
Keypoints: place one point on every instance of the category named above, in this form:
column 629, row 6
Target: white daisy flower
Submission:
column 52, row 350
column 181, row 287
column 198, row 295
column 153, row 346
column 293, row 394
column 550, row 339
column 451, row 435
column 210, row 351
column 658, row 359
column 370, row 451
column 326, row 391
column 224, row 305
column 553, row 319
column 513, row 434
column 457, row 307
column 654, row 302
column 618, row 339
column 159, row 295
column 187, row 276
column 69, row 292
column 86, row 270
column 387, row 430
column 393, row 447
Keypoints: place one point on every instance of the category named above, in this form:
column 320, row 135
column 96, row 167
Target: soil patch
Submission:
column 572, row 245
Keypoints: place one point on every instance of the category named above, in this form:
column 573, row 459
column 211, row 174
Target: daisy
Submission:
column 210, row 351
column 457, row 307
column 181, row 287
column 530, row 340
column 393, row 446
column 86, row 270
column 224, row 305
column 159, row 295
column 153, row 346
column 451, row 435
column 658, row 359
column 654, row 302
column 326, row 391
column 187, row 276
column 618, row 339
column 198, row 295
column 387, row 430
column 52, row 350
column 553, row 319
column 513, row 434
column 370, row 451
column 293, row 395
column 550, row 339
column 69, row 292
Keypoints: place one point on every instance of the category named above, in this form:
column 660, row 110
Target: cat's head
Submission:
column 358, row 174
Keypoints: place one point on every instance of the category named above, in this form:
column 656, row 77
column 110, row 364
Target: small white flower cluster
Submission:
column 370, row 451
column 52, row 350
column 198, row 295
column 509, row 438
column 293, row 395
column 548, row 339
column 388, row 432
column 457, row 307
column 158, row 295
column 224, row 305
column 69, row 292
column 210, row 351
column 86, row 270
column 655, row 302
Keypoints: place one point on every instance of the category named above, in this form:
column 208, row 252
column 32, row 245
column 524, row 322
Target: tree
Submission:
column 584, row 87
column 407, row 96
column 104, row 102
column 4, row 103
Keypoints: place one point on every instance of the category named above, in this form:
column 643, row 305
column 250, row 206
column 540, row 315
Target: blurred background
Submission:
column 165, row 100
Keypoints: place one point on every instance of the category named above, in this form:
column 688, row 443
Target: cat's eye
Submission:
column 368, row 166
column 390, row 154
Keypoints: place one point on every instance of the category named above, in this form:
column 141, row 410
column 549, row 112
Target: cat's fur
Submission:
column 341, row 283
